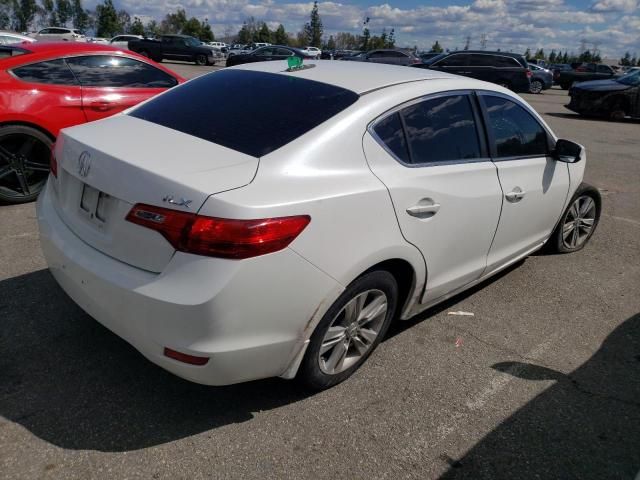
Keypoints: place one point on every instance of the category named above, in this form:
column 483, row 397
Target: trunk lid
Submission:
column 106, row 167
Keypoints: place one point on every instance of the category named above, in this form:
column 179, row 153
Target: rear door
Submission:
column 535, row 185
column 263, row 54
column 112, row 83
column 432, row 157
column 456, row 63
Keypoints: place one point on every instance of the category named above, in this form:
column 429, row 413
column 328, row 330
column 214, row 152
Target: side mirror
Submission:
column 567, row 151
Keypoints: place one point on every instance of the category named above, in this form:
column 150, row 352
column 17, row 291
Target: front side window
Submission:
column 114, row 71
column 441, row 129
column 53, row 72
column 455, row 60
column 515, row 131
column 603, row 69
column 264, row 52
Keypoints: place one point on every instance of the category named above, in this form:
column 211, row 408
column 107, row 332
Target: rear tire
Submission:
column 24, row 163
column 579, row 221
column 536, row 87
column 201, row 60
column 349, row 331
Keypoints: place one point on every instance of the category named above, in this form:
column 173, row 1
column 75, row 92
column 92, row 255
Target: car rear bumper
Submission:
column 249, row 317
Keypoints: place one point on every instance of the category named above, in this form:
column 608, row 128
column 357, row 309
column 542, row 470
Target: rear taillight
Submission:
column 185, row 357
column 219, row 237
column 53, row 163
column 529, row 73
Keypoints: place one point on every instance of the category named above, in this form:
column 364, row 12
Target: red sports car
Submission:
column 45, row 87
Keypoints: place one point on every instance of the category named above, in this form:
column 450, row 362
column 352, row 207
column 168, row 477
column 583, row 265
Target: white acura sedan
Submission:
column 277, row 227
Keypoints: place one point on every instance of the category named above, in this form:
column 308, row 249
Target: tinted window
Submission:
column 391, row 133
column 456, row 60
column 283, row 52
column 251, row 112
column 515, row 131
column 504, row 62
column 264, row 52
column 603, row 69
column 441, row 129
column 53, row 72
column 112, row 71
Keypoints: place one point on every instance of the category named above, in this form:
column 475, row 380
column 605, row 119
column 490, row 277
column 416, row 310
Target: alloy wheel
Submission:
column 24, row 166
column 353, row 331
column 579, row 222
column 536, row 86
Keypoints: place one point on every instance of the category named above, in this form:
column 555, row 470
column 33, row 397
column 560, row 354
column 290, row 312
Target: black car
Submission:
column 507, row 69
column 615, row 98
column 265, row 54
column 385, row 55
column 583, row 73
column 174, row 47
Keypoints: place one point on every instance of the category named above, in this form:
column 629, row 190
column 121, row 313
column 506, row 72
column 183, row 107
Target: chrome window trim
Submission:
column 449, row 93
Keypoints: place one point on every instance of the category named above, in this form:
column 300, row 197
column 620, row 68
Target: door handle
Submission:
column 515, row 195
column 425, row 208
column 101, row 106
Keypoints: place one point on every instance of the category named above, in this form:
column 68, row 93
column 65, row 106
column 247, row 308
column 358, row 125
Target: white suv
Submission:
column 312, row 51
column 60, row 33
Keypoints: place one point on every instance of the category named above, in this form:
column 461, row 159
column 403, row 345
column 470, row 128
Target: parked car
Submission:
column 9, row 38
column 48, row 86
column 556, row 68
column 388, row 56
column 541, row 79
column 219, row 45
column 583, row 73
column 615, row 98
column 509, row 70
column 369, row 177
column 428, row 56
column 122, row 41
column 239, row 50
column 312, row 52
column 174, row 47
column 103, row 41
column 56, row 34
column 265, row 54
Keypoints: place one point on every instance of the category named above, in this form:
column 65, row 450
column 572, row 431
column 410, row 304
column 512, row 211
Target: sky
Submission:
column 611, row 26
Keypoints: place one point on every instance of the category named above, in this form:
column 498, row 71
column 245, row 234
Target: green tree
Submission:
column 366, row 35
column 107, row 20
column 244, row 35
column 64, row 12
column 153, row 28
column 124, row 21
column 280, row 36
column 24, row 11
column 174, row 22
column 47, row 13
column 552, row 56
column 5, row 13
column 634, row 61
column 137, row 27
column 331, row 43
column 391, row 40
column 191, row 27
column 626, row 60
column 79, row 16
column 264, row 35
column 313, row 29
column 206, row 34
column 436, row 47
column 527, row 54
column 540, row 55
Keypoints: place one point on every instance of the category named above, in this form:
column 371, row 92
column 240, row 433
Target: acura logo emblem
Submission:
column 84, row 164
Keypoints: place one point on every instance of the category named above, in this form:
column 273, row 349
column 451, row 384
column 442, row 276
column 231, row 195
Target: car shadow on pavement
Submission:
column 72, row 383
column 585, row 426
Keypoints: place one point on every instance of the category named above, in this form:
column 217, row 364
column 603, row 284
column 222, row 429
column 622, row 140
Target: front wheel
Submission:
column 349, row 331
column 579, row 221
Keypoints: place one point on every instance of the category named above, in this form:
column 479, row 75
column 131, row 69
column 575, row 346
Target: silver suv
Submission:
column 60, row 33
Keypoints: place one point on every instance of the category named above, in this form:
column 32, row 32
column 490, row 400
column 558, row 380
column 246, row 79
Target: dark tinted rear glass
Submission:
column 391, row 133
column 53, row 72
column 251, row 112
column 116, row 71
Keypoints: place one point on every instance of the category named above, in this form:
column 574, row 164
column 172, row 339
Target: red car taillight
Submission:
column 529, row 73
column 219, row 237
column 53, row 163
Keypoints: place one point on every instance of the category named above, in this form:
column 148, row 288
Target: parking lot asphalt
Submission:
column 543, row 381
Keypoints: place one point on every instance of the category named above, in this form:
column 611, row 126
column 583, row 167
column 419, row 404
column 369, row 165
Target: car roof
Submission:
column 488, row 52
column 358, row 77
column 64, row 48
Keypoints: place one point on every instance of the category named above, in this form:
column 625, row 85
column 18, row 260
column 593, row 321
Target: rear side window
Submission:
column 251, row 112
column 441, row 130
column 456, row 60
column 115, row 71
column 515, row 132
column 54, row 72
column 389, row 130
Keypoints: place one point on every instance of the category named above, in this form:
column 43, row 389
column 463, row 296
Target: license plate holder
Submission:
column 92, row 205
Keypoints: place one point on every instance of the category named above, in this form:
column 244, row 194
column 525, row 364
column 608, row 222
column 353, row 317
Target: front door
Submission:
column 445, row 190
column 113, row 83
column 535, row 185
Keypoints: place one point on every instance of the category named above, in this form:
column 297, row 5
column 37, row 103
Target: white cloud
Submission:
column 615, row 6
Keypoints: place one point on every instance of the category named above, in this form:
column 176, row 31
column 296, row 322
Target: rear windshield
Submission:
column 251, row 112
